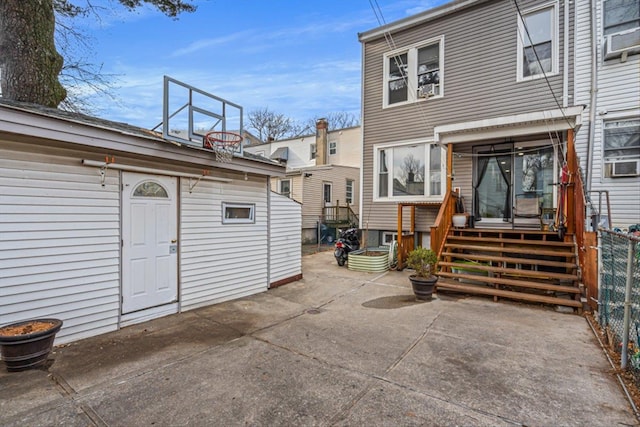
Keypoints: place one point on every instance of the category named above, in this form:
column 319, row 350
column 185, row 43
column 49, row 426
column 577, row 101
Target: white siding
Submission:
column 219, row 261
column 618, row 96
column 59, row 242
column 286, row 238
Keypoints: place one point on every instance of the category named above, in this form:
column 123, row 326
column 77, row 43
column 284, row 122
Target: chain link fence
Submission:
column 619, row 297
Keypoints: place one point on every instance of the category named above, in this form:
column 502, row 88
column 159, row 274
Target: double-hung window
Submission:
column 621, row 148
column 410, row 171
column 538, row 43
column 621, row 27
column 414, row 73
column 349, row 191
column 333, row 148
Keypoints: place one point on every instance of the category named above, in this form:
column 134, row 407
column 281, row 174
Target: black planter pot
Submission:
column 20, row 352
column 423, row 287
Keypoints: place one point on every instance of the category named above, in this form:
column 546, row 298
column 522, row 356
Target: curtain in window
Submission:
column 482, row 163
column 504, row 162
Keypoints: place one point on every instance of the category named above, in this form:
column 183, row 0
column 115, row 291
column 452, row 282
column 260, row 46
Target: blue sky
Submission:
column 298, row 58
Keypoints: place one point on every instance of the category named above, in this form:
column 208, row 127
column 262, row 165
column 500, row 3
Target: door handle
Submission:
column 174, row 241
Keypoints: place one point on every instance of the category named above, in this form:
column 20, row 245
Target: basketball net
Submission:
column 223, row 144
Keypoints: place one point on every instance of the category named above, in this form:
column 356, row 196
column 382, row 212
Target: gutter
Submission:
column 419, row 19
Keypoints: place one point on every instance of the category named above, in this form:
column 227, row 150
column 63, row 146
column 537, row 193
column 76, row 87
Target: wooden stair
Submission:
column 522, row 265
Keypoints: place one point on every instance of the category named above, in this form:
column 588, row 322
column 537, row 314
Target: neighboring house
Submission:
column 455, row 97
column 104, row 225
column 323, row 173
column 608, row 77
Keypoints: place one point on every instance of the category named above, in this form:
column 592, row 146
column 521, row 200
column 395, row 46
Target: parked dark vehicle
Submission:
column 347, row 242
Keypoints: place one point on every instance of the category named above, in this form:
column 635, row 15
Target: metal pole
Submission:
column 319, row 236
column 627, row 306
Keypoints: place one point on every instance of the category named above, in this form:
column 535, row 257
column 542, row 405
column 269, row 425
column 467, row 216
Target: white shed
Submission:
column 104, row 225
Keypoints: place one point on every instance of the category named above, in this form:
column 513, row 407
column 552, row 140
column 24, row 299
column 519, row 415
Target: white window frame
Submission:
column 324, row 186
column 386, row 234
column 427, row 182
column 521, row 36
column 349, row 186
column 333, row 148
column 412, row 74
column 607, row 170
column 313, row 151
column 624, row 29
column 251, row 219
column 280, row 187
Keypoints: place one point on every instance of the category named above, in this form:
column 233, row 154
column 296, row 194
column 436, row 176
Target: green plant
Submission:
column 422, row 261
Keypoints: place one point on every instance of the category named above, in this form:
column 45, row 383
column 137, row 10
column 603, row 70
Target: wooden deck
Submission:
column 524, row 265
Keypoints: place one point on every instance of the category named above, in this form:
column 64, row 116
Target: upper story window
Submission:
column 414, row 73
column 621, row 147
column 333, row 147
column 313, row 151
column 538, row 43
column 621, row 27
column 412, row 171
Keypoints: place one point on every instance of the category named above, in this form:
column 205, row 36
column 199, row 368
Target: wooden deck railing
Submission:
column 342, row 214
column 442, row 224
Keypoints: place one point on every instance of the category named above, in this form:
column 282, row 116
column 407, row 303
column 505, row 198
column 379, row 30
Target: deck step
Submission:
column 504, row 241
column 509, row 260
column 515, row 272
column 512, row 250
column 452, row 285
column 524, row 284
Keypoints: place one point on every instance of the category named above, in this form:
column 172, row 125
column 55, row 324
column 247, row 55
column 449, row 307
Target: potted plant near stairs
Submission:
column 423, row 262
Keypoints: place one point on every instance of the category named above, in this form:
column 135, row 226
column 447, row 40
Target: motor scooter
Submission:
column 347, row 242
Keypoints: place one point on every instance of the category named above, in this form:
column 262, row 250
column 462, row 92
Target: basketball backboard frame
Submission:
column 189, row 113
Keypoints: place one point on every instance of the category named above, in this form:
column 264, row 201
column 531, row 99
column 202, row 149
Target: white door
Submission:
column 149, row 241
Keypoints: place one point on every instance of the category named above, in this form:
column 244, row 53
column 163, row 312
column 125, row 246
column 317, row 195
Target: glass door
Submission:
column 506, row 178
column 492, row 184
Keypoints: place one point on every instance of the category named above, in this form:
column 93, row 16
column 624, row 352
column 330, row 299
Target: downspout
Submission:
column 565, row 77
column 269, row 216
column 362, row 224
column 594, row 95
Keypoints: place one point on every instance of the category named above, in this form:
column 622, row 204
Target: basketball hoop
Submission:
column 222, row 143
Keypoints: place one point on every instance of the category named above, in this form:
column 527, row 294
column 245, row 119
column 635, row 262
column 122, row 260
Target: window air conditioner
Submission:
column 427, row 91
column 623, row 42
column 625, row 168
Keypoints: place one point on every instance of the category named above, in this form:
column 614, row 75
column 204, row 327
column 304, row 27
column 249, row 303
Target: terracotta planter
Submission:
column 25, row 345
column 423, row 287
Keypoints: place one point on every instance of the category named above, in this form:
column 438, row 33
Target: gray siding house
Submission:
column 475, row 96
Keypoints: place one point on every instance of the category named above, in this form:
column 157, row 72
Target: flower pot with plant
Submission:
column 423, row 262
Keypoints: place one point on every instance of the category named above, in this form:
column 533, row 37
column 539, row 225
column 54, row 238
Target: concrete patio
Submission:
column 336, row 348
